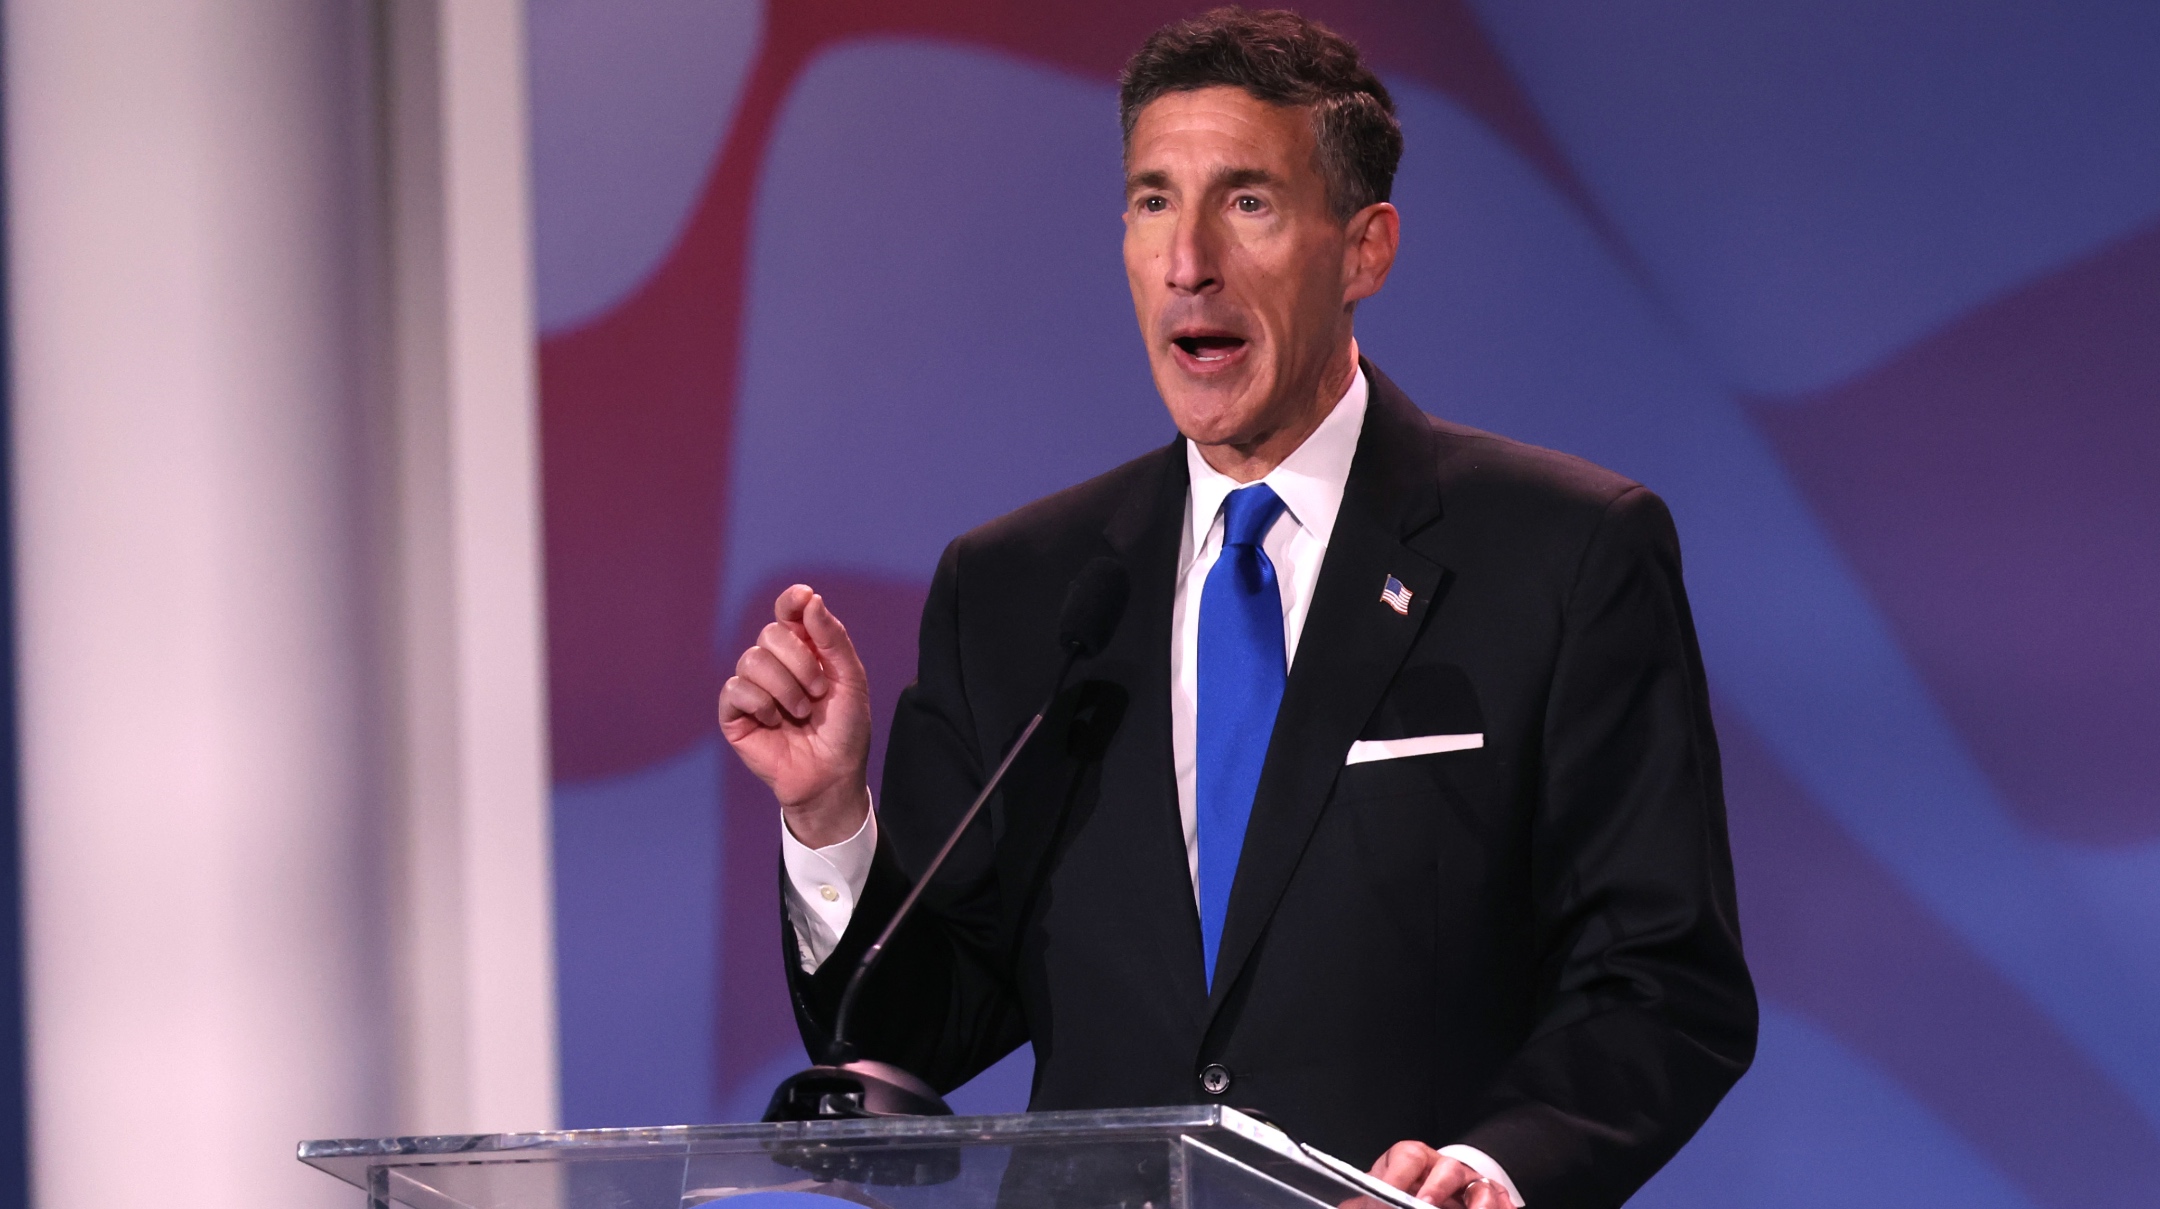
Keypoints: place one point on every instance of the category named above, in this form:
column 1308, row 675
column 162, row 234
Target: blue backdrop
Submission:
column 1869, row 292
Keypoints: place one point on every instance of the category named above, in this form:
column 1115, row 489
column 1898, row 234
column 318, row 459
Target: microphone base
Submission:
column 857, row 1091
column 854, row 1091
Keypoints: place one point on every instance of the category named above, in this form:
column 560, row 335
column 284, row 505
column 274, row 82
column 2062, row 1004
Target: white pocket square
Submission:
column 1364, row 751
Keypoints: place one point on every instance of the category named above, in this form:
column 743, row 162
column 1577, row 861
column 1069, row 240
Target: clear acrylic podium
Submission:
column 1201, row 1157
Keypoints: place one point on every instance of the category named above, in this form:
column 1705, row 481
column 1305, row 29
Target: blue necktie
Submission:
column 1242, row 669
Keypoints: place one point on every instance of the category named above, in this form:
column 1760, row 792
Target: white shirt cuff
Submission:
column 822, row 886
column 1482, row 1163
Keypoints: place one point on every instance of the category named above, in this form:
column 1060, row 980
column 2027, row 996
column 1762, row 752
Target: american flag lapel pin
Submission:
column 1396, row 596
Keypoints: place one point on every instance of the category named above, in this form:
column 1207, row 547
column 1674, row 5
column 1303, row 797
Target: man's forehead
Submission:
column 1222, row 110
column 1217, row 130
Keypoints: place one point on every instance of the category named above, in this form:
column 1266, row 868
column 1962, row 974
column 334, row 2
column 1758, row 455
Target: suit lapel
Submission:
column 1347, row 654
column 1146, row 535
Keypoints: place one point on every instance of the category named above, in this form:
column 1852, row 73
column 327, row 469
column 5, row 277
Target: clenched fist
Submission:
column 797, row 710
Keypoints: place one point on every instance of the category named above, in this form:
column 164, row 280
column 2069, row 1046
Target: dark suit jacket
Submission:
column 1530, row 947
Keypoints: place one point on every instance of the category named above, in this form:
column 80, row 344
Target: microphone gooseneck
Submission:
column 844, row 1086
column 840, row 1051
column 1093, row 606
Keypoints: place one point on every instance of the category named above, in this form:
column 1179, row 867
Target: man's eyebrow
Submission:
column 1239, row 178
column 1226, row 178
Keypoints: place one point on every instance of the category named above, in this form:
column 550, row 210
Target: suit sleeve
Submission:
column 1645, row 1012
column 939, row 1003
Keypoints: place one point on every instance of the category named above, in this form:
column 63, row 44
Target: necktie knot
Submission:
column 1248, row 513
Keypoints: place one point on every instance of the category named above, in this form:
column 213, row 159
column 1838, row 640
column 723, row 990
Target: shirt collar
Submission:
column 1309, row 482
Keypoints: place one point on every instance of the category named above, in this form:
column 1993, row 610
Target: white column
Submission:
column 207, row 972
column 495, row 455
column 476, row 958
column 226, row 499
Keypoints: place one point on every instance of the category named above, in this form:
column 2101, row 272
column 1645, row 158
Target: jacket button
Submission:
column 1215, row 1080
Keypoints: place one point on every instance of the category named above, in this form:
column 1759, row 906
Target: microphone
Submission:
column 845, row 1086
column 1093, row 606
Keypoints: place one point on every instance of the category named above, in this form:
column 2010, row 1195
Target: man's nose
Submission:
column 1193, row 257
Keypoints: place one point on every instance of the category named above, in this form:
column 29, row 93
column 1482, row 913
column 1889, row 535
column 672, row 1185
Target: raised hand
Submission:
column 797, row 711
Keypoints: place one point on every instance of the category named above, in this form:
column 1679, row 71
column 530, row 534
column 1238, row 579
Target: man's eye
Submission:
column 1248, row 205
column 1154, row 205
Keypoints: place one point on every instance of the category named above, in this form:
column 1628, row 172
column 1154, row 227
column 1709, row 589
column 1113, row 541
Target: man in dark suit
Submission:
column 1392, row 809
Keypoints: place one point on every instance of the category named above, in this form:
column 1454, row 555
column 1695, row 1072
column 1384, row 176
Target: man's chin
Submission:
column 1211, row 412
column 1209, row 428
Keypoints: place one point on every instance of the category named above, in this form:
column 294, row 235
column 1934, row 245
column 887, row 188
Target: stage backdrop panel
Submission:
column 1867, row 291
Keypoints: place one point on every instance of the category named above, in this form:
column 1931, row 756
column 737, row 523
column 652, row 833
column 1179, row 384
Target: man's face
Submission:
column 1241, row 276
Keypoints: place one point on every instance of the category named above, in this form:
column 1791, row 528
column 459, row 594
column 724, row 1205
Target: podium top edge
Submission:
column 527, row 1147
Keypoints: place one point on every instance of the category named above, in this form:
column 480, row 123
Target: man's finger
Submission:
column 1403, row 1165
column 788, row 607
column 1444, row 1180
column 789, row 648
column 834, row 648
column 741, row 699
column 764, row 669
column 1483, row 1193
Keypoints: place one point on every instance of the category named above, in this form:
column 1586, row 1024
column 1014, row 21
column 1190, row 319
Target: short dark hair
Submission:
column 1282, row 58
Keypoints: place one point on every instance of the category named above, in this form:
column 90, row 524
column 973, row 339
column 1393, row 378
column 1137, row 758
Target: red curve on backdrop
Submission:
column 1995, row 485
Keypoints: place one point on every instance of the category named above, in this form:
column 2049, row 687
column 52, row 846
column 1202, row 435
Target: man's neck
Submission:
column 1251, row 463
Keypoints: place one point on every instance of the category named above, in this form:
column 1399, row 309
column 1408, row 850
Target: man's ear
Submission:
column 1373, row 234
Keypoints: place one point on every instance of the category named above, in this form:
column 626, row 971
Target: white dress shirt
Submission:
column 823, row 883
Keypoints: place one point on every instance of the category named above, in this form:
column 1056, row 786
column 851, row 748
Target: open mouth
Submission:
column 1209, row 350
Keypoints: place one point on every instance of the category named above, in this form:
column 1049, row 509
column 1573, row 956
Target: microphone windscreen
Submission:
column 1093, row 606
